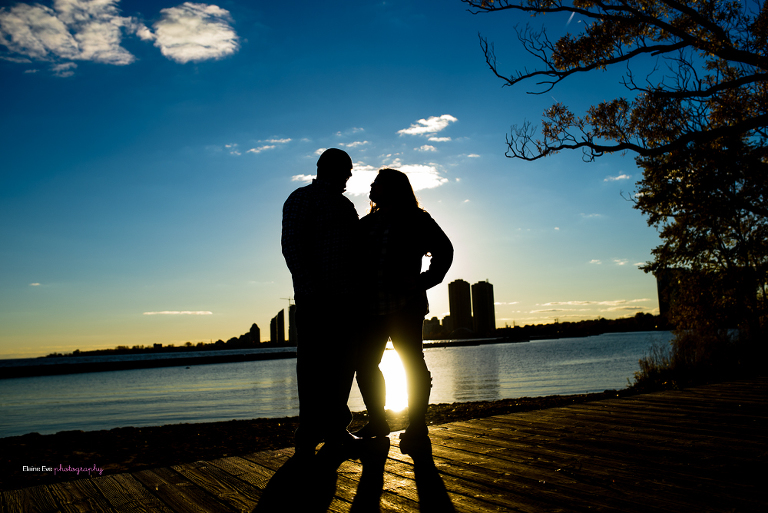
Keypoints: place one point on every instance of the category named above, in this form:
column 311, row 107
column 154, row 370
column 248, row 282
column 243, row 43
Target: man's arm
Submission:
column 295, row 241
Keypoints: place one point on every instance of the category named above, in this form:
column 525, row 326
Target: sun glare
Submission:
column 394, row 374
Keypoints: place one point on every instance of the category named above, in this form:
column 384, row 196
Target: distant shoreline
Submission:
column 28, row 371
column 59, row 369
column 236, row 356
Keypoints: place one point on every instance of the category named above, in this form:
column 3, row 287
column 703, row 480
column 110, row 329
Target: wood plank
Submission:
column 545, row 485
column 673, row 497
column 36, row 498
column 125, row 493
column 248, row 471
column 79, row 495
column 609, row 469
column 228, row 489
column 179, row 493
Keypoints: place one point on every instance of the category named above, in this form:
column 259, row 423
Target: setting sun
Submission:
column 394, row 375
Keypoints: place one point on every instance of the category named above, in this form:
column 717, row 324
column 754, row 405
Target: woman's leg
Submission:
column 370, row 380
column 407, row 339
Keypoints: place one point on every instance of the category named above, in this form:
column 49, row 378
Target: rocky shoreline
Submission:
column 131, row 449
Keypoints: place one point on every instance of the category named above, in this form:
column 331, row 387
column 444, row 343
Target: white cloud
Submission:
column 362, row 176
column 92, row 30
column 277, row 141
column 354, row 144
column 36, row 32
column 595, row 261
column 34, row 284
column 426, row 147
column 473, row 156
column 439, row 139
column 430, row 125
column 620, row 261
column 72, row 30
column 195, row 32
column 617, row 178
column 178, row 313
column 590, row 216
column 505, row 303
column 557, row 228
column 303, row 178
column 320, row 151
column 261, row 148
column 421, row 177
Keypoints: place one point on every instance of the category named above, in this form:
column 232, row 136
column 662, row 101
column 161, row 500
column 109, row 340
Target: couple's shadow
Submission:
column 309, row 484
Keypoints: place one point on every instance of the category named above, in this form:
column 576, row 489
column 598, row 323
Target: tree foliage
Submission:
column 710, row 79
column 708, row 201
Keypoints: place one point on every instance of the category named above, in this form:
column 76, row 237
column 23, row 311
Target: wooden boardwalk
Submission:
column 698, row 450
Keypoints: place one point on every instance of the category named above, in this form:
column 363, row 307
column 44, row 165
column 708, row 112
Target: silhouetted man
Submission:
column 319, row 240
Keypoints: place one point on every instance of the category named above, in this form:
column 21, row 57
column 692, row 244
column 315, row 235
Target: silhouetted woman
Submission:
column 396, row 234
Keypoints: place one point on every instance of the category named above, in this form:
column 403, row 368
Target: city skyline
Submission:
column 147, row 149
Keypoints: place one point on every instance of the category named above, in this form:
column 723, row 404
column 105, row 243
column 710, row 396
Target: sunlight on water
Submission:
column 394, row 374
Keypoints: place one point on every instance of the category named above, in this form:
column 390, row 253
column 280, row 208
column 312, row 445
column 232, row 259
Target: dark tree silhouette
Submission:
column 710, row 80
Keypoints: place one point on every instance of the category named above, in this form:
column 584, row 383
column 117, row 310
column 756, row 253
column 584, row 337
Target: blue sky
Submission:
column 147, row 148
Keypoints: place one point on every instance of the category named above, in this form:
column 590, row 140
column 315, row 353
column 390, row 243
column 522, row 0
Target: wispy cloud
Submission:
column 473, row 156
column 614, row 302
column 66, row 69
column 353, row 144
column 261, row 148
column 277, row 141
column 623, row 308
column 595, row 261
column 185, row 312
column 617, row 178
column 591, row 216
column 34, row 284
column 506, row 303
column 430, row 125
column 620, row 261
column 439, row 139
column 426, row 147
column 303, row 178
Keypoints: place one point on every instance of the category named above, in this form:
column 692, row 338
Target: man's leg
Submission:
column 324, row 373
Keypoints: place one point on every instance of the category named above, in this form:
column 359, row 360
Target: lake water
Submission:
column 208, row 393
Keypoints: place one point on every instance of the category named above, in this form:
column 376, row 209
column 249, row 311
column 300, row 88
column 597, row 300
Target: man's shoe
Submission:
column 373, row 430
column 345, row 444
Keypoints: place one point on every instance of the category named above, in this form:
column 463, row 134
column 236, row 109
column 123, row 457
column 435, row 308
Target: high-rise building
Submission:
column 293, row 333
column 277, row 328
column 483, row 310
column 460, row 303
